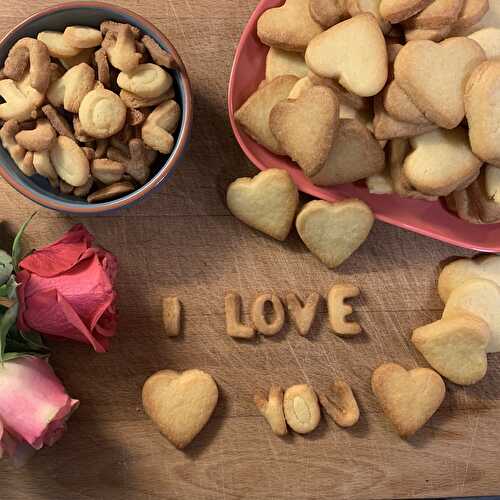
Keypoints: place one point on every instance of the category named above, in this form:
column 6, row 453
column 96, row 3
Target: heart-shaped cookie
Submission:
column 477, row 297
column 355, row 155
column 306, row 127
column 266, row 202
column 482, row 101
column 328, row 12
column 289, row 27
column 283, row 62
column 439, row 14
column 441, row 161
column 334, row 231
column 180, row 404
column 408, row 398
column 434, row 75
column 352, row 52
column 253, row 115
column 455, row 347
column 396, row 11
column 489, row 40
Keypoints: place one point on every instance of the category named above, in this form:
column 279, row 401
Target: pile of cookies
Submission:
column 269, row 203
column 89, row 109
column 399, row 93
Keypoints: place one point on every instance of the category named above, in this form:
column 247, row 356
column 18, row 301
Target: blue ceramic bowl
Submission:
column 37, row 188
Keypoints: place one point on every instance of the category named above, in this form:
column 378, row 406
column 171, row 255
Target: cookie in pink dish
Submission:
column 427, row 218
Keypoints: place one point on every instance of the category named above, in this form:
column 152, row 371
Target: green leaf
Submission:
column 6, row 322
column 34, row 341
column 16, row 246
column 13, row 355
column 6, row 267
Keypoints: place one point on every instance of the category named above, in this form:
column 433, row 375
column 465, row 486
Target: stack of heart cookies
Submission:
column 401, row 93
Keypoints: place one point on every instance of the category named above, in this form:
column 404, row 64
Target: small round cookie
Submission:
column 82, row 37
column 69, row 161
column 102, row 113
column 147, row 80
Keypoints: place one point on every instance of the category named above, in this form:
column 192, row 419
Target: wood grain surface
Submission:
column 182, row 241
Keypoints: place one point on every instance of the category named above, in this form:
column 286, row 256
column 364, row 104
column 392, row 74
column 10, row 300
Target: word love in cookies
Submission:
column 267, row 313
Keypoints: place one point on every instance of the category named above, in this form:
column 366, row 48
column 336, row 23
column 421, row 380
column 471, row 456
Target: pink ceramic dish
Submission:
column 429, row 219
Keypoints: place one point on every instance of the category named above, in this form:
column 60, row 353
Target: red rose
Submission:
column 66, row 290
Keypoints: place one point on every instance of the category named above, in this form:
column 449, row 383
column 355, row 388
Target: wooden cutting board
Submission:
column 182, row 241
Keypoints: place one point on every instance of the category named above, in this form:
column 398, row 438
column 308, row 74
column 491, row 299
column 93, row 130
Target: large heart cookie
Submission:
column 455, row 347
column 267, row 202
column 289, row 27
column 434, row 76
column 253, row 115
column 352, row 52
column 482, row 102
column 180, row 404
column 408, row 398
column 441, row 162
column 396, row 11
column 334, row 231
column 477, row 297
column 306, row 127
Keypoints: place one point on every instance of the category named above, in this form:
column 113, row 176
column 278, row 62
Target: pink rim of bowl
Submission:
column 50, row 201
column 427, row 218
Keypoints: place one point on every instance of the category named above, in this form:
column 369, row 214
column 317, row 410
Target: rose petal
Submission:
column 61, row 255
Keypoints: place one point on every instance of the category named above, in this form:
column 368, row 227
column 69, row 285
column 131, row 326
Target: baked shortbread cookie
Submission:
column 459, row 271
column 472, row 12
column 352, row 52
column 436, row 35
column 266, row 202
column 355, row 155
column 489, row 40
column 356, row 7
column 441, row 161
column 283, row 62
column 400, row 106
column 334, row 231
column 387, row 127
column 306, row 127
column 482, row 101
column 478, row 297
column 434, row 76
column 253, row 115
column 455, row 347
column 492, row 183
column 408, row 398
column 439, row 14
column 289, row 27
column 180, row 404
column 396, row 11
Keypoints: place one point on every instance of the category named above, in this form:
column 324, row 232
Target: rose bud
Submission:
column 66, row 290
column 34, row 405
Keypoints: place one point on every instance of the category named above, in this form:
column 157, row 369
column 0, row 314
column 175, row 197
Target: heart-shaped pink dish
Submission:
column 428, row 218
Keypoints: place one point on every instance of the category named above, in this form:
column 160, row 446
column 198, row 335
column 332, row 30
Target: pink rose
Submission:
column 34, row 405
column 66, row 290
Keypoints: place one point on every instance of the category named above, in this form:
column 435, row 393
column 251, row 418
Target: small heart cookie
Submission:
column 457, row 272
column 477, row 297
column 434, row 76
column 408, row 398
column 482, row 101
column 267, row 202
column 328, row 12
column 306, row 127
column 289, row 27
column 334, row 231
column 356, row 7
column 352, row 52
column 441, row 161
column 455, row 348
column 400, row 106
column 355, row 155
column 396, row 11
column 489, row 40
column 253, row 115
column 180, row 404
column 472, row 12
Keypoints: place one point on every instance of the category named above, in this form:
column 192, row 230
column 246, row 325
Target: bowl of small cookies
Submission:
column 392, row 102
column 95, row 107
